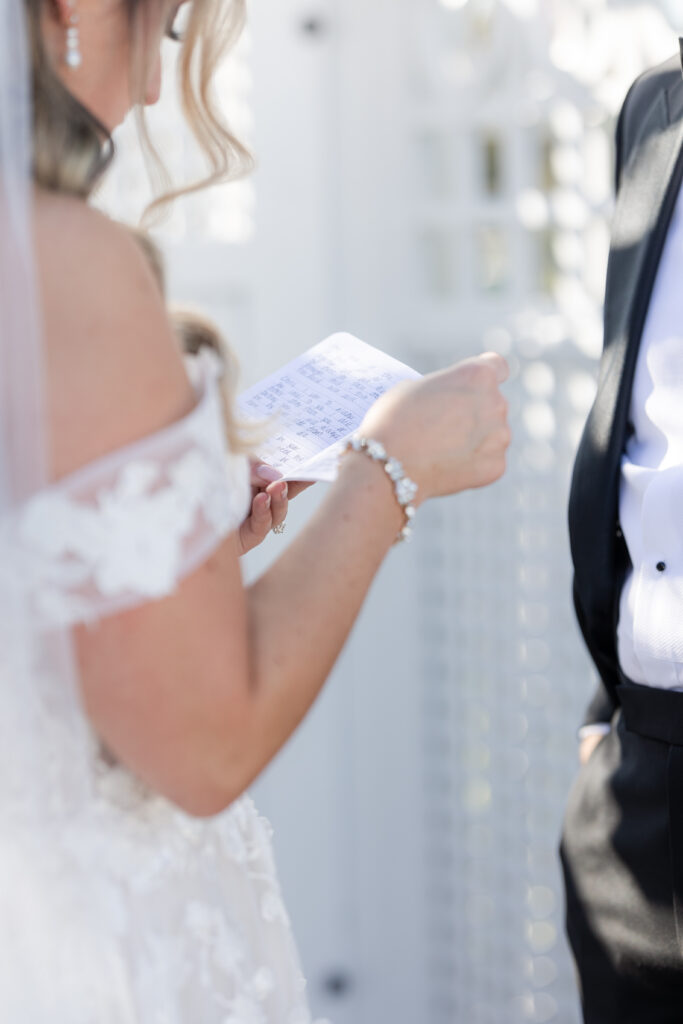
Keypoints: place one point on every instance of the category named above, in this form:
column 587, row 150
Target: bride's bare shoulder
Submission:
column 112, row 359
column 90, row 267
column 74, row 236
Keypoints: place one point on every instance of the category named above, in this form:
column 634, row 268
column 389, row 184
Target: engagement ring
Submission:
column 280, row 528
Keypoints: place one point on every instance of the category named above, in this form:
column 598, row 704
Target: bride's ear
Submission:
column 60, row 10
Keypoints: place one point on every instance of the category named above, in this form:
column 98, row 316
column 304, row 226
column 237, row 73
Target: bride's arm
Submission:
column 197, row 692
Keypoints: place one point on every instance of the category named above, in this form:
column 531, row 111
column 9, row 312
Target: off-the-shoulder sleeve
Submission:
column 127, row 528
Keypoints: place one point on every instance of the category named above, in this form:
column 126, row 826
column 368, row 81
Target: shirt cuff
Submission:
column 597, row 729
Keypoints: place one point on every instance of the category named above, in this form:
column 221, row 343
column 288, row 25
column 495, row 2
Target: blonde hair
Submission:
column 72, row 148
column 196, row 332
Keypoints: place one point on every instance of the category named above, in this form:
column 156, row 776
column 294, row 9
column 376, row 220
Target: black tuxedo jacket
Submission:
column 649, row 175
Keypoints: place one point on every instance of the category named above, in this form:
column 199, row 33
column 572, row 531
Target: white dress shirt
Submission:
column 650, row 630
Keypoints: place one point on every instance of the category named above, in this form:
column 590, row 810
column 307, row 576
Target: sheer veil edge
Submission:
column 59, row 959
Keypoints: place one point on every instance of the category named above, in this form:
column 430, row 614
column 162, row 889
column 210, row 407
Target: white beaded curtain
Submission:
column 511, row 105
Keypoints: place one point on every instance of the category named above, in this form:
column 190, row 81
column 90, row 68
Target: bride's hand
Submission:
column 269, row 506
column 449, row 429
column 270, row 497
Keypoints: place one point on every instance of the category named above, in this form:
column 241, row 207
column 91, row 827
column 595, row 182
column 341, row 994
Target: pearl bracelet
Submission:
column 405, row 489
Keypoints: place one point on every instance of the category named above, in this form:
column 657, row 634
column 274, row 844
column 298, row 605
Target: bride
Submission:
column 143, row 687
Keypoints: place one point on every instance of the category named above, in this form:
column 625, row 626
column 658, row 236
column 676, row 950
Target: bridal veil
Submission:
column 54, row 948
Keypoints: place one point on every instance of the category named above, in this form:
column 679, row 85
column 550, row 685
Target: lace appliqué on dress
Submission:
column 129, row 527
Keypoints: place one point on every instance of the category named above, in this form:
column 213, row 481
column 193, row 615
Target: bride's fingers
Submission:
column 279, row 495
column 268, row 509
column 497, row 363
column 262, row 474
column 258, row 525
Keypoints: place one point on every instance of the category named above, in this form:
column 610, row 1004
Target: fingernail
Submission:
column 284, row 491
column 268, row 474
column 266, row 503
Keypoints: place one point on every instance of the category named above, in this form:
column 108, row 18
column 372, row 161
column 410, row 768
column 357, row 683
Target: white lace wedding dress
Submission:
column 116, row 907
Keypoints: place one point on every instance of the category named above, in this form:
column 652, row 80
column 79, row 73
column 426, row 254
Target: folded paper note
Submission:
column 316, row 402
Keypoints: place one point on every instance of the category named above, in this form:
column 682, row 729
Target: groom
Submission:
column 622, row 848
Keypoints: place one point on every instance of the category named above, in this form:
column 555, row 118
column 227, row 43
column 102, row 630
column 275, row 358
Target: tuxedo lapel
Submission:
column 650, row 183
column 646, row 202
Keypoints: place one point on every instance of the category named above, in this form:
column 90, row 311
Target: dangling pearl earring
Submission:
column 73, row 57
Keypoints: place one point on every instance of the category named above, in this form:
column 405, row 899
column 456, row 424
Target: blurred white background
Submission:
column 434, row 176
